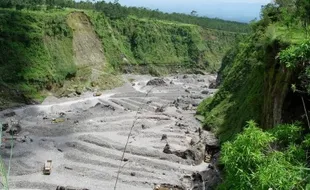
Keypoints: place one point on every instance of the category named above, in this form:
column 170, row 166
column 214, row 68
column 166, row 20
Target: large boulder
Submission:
column 206, row 179
column 156, row 82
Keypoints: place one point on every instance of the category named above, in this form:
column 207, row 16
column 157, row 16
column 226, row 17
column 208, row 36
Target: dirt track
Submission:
column 85, row 136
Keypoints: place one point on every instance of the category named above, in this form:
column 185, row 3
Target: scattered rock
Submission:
column 62, row 114
column 185, row 76
column 181, row 125
column 76, row 122
column 171, row 82
column 109, row 107
column 212, row 85
column 168, row 187
column 164, row 137
column 156, row 82
column 205, row 92
column 207, row 179
column 59, row 150
column 5, row 126
column 194, row 141
column 211, row 166
column 10, row 114
column 143, row 126
column 195, row 104
column 133, row 174
column 196, row 97
column 188, row 107
column 191, row 154
column 9, row 145
column 45, row 117
column 69, row 188
column 186, row 90
column 78, row 91
column 15, row 129
column 125, row 159
column 167, row 149
column 201, row 80
column 160, row 109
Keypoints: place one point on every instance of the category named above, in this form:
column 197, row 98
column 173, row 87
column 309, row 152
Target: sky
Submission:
column 237, row 10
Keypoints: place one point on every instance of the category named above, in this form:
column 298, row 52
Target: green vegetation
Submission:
column 134, row 41
column 37, row 50
column 240, row 96
column 38, row 56
column 254, row 83
column 262, row 160
column 116, row 11
column 265, row 78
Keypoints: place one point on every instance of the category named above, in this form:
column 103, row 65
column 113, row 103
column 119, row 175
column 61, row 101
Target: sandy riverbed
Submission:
column 85, row 136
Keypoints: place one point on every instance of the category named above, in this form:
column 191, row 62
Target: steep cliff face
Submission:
column 277, row 82
column 253, row 85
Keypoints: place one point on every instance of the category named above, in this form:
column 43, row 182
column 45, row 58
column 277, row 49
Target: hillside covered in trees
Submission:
column 260, row 112
column 41, row 45
column 116, row 11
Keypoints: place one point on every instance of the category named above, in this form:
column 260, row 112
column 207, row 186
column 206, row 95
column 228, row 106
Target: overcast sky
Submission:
column 240, row 10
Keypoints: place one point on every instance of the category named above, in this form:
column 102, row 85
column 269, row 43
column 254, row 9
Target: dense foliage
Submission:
column 240, row 96
column 252, row 74
column 36, row 49
column 262, row 160
column 152, row 42
column 116, row 11
column 265, row 78
column 296, row 57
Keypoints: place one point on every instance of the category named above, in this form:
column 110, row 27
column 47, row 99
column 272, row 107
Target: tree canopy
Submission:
column 116, row 11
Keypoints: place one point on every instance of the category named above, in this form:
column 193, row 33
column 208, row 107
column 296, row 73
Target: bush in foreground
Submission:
column 261, row 160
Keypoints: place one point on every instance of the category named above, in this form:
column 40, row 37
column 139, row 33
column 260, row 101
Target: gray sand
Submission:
column 85, row 136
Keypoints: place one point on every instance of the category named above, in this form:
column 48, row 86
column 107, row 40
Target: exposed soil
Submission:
column 87, row 47
column 85, row 136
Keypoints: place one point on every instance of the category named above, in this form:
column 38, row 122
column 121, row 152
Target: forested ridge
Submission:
column 116, row 11
column 260, row 112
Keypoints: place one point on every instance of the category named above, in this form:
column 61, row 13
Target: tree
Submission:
column 194, row 13
column 269, row 14
column 285, row 3
column 6, row 3
column 303, row 11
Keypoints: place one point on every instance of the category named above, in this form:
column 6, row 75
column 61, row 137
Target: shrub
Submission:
column 252, row 162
